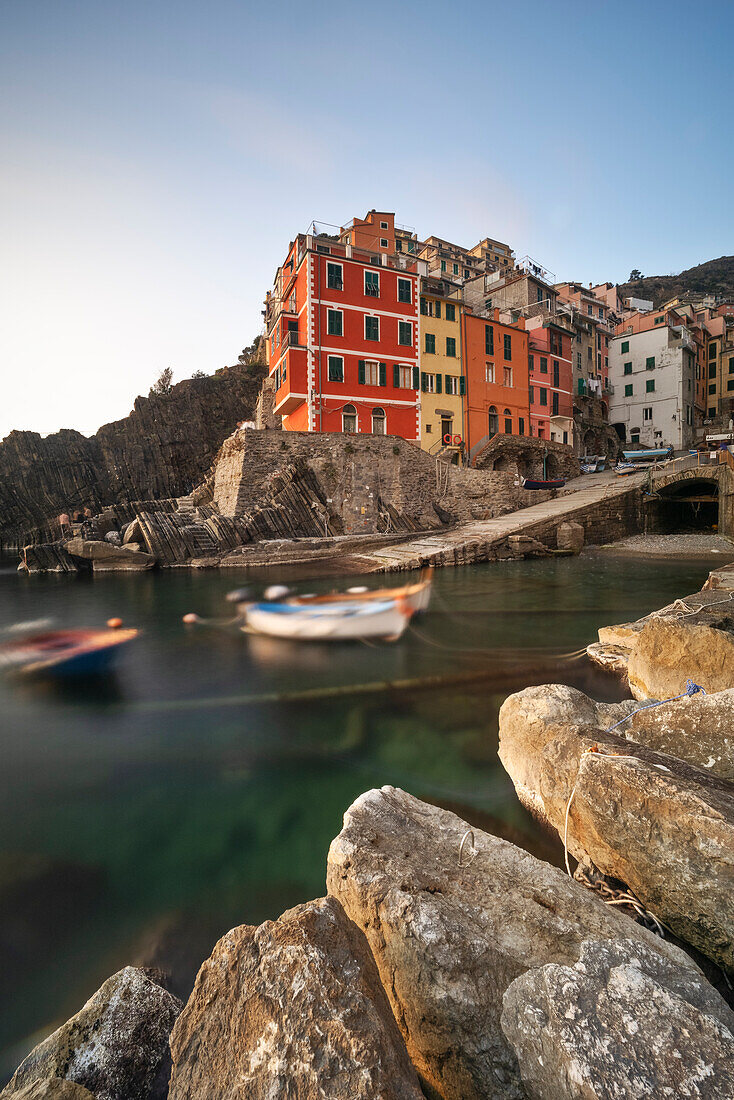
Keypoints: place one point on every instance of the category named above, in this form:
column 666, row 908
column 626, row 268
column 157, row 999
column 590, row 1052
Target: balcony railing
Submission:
column 292, row 340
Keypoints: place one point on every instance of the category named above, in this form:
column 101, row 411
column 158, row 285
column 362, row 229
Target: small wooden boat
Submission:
column 555, row 483
column 624, row 468
column 330, row 621
column 64, row 652
column 653, row 455
column 417, row 595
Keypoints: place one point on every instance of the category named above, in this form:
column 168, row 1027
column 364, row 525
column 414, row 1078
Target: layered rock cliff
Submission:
column 162, row 449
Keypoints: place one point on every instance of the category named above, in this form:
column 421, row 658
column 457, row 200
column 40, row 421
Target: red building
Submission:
column 342, row 332
column 550, row 382
column 495, row 363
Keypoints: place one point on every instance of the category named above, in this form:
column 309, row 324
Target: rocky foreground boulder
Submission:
column 656, row 823
column 669, row 651
column 116, row 1046
column 292, row 1009
column 621, row 1022
column 453, row 917
column 53, row 1088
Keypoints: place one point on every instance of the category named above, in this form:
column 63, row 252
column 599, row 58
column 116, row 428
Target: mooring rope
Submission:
column 691, row 689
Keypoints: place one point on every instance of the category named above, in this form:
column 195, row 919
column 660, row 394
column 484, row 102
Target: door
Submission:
column 446, row 430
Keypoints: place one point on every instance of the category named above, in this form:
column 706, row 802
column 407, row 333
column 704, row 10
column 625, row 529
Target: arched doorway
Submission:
column 552, row 466
column 349, row 419
column 494, row 421
column 378, row 421
column 590, row 442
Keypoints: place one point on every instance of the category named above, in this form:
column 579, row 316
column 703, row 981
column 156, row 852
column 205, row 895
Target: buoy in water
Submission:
column 114, row 624
column 191, row 617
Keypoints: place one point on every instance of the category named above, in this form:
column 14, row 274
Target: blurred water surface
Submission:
column 143, row 815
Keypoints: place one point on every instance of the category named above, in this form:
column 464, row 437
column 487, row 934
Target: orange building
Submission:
column 495, row 363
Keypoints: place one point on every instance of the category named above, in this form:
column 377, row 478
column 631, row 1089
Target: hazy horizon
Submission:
column 160, row 157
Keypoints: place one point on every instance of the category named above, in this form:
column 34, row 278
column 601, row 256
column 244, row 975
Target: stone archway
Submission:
column 552, row 466
column 590, row 442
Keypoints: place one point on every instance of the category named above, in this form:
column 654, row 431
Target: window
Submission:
column 443, row 265
column 411, row 246
column 647, row 413
column 712, row 370
column 430, row 344
column 428, row 382
column 508, row 346
column 659, row 320
column 543, row 393
column 404, row 294
column 650, row 385
column 456, row 269
column 508, row 422
column 466, row 272
column 556, row 373
column 578, row 360
column 405, row 333
column 521, row 425
column 543, row 365
column 628, row 368
column 450, row 311
column 507, row 376
column 711, row 412
column 554, row 407
column 494, row 421
column 349, row 419
column 628, row 390
column 336, row 368
column 424, row 306
column 372, row 284
column 625, row 346
column 334, row 277
column 650, row 362
column 712, row 351
column 402, row 377
column 398, row 246
column 372, row 373
column 451, row 347
column 437, row 309
column 730, row 384
column 378, row 421
column 540, row 294
column 488, row 340
column 383, row 242
column 452, row 385
column 589, row 353
column 531, row 363
column 712, row 388
column 635, row 436
column 731, row 365
column 371, row 328
column 334, row 322
column 489, row 372
column 323, row 248
column 488, row 304
column 531, row 392
column 384, row 225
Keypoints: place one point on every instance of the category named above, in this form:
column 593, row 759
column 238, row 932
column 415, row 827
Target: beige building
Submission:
column 443, row 387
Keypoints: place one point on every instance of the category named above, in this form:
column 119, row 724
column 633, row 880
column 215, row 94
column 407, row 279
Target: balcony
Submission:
column 292, row 339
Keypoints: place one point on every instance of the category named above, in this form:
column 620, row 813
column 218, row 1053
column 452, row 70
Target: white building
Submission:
column 652, row 376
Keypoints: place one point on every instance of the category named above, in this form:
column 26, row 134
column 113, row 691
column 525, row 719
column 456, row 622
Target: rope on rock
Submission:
column 691, row 689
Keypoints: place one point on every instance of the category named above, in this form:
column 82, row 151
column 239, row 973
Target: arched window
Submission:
column 349, row 419
column 378, row 421
column 494, row 422
column 508, row 422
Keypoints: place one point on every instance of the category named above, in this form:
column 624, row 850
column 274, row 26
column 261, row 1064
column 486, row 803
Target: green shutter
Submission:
column 462, row 386
column 383, row 374
column 438, row 309
column 396, row 376
column 416, row 378
column 424, row 307
column 438, row 383
column 424, row 381
column 361, row 374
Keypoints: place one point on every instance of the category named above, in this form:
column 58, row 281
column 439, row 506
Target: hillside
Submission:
column 712, row 277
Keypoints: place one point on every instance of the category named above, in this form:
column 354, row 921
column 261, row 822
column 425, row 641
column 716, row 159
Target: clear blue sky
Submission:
column 159, row 156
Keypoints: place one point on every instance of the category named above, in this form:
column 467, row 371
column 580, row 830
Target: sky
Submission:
column 158, row 157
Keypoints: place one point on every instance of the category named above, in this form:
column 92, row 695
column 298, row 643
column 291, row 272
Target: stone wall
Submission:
column 526, row 455
column 163, row 448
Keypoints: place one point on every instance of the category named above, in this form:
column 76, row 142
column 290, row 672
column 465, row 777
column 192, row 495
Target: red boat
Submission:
column 556, row 483
column 64, row 652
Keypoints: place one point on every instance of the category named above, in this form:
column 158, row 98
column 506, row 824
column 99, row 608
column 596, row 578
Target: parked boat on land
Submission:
column 532, row 483
column 651, row 455
column 593, row 464
column 64, row 653
column 624, row 468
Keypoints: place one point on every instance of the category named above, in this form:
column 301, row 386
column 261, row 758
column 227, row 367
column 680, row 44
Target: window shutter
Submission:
column 383, row 374
column 396, row 376
column 438, row 309
column 416, row 378
column 424, row 381
column 438, row 383
column 462, row 386
column 448, row 384
column 360, row 376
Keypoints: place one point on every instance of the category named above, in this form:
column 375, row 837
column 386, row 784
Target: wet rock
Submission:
column 449, row 935
column 116, row 1046
column 654, row 822
column 669, row 651
column 52, row 1088
column 570, row 536
column 621, row 1022
column 293, row 1008
column 107, row 558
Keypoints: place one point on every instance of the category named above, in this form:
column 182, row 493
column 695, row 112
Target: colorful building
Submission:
column 342, row 332
column 495, row 361
column 550, row 381
column 443, row 385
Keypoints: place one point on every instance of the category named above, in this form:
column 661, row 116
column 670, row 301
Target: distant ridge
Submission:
column 712, row 277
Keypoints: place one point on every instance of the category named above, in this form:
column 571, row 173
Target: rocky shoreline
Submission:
column 447, row 963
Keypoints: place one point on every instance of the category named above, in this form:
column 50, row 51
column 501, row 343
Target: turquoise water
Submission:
column 144, row 815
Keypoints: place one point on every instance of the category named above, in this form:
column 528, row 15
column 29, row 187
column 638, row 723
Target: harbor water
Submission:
column 144, row 814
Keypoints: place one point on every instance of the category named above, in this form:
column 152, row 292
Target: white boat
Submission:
column 417, row 595
column 334, row 621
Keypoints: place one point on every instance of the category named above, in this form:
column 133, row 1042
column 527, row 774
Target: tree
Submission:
column 199, row 374
column 635, row 275
column 163, row 384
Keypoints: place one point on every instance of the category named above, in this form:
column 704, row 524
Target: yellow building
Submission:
column 443, row 385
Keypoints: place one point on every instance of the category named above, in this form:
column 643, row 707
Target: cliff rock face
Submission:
column 164, row 447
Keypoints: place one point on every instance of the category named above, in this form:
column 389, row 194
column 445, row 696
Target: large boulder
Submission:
column 452, row 923
column 661, row 826
column 108, row 558
column 116, row 1046
column 52, row 1088
column 621, row 1022
column 668, row 651
column 293, row 1008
